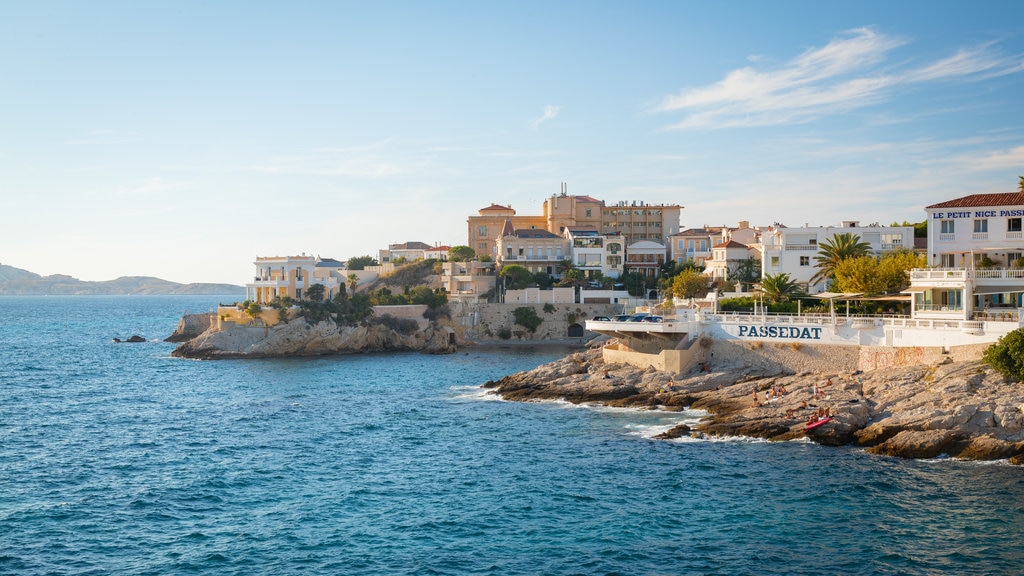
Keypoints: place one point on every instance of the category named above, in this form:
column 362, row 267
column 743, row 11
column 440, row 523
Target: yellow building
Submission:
column 633, row 221
column 485, row 228
column 291, row 276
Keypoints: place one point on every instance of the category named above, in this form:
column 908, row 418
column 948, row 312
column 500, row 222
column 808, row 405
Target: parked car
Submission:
column 652, row 319
column 621, row 318
column 601, row 319
column 638, row 317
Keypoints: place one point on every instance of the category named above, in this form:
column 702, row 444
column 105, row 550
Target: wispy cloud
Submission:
column 849, row 72
column 550, row 113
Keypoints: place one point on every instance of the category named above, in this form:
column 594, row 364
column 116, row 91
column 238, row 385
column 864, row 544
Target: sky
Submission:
column 182, row 139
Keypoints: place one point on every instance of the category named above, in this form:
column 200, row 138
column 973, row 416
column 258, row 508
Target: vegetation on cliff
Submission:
column 1007, row 355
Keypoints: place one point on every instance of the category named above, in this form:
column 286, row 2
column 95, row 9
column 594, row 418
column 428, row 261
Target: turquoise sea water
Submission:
column 118, row 459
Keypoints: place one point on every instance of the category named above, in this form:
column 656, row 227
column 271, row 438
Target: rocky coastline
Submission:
column 298, row 338
column 960, row 409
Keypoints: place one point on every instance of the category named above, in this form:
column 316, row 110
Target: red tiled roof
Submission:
column 979, row 200
column 496, row 207
column 730, row 244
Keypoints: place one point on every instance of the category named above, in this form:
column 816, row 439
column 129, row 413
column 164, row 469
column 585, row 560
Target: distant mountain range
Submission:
column 18, row 282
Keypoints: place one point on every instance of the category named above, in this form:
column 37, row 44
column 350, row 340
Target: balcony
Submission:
column 947, row 236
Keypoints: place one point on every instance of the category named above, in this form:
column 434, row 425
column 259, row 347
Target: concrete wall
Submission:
column 536, row 295
column 667, row 360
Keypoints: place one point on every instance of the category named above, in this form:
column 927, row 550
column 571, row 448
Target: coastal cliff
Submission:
column 960, row 409
column 297, row 338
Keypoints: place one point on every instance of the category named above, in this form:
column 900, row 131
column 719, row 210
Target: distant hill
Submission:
column 18, row 282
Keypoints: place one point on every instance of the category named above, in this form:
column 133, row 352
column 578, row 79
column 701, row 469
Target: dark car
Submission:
column 601, row 319
column 652, row 319
column 621, row 318
column 638, row 317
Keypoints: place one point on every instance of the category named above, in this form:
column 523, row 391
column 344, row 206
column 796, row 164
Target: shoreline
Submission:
column 955, row 409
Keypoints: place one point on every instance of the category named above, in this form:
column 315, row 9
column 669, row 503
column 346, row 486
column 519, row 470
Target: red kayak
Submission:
column 814, row 425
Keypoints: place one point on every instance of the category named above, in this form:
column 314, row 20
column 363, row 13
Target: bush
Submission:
column 504, row 333
column 549, row 308
column 527, row 318
column 1007, row 355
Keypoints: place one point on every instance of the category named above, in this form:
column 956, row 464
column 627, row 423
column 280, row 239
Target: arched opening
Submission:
column 575, row 331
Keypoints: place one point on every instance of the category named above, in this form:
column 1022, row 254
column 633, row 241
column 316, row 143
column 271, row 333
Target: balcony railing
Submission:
column 947, row 237
column 801, row 246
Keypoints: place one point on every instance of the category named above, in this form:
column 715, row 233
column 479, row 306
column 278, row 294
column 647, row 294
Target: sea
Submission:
column 116, row 458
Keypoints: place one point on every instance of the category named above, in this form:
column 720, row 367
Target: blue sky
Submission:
column 182, row 139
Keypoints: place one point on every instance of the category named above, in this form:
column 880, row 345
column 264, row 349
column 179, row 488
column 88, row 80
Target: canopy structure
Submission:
column 833, row 296
column 838, row 295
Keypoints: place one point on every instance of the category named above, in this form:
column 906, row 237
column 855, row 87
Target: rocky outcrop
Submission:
column 191, row 326
column 958, row 409
column 297, row 338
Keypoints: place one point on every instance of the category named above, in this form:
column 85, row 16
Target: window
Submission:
column 980, row 226
column 1013, row 225
column 946, row 227
column 805, row 260
column 588, row 212
column 947, row 260
column 775, row 261
column 481, row 230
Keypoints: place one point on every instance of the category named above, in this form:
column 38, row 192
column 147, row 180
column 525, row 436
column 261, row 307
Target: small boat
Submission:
column 816, row 423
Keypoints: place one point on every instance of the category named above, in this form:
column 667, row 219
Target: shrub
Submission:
column 549, row 308
column 1007, row 355
column 504, row 333
column 527, row 318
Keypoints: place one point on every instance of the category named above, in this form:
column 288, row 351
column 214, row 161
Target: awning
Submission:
column 998, row 289
column 914, row 289
column 837, row 295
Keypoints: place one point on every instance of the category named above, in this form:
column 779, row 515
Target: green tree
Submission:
column 253, row 310
column 1007, row 355
column 573, row 277
column 353, row 282
column 361, row 262
column 779, row 288
column 868, row 275
column 516, row 276
column 835, row 250
column 747, row 272
column 315, row 292
column 461, row 254
column 690, row 284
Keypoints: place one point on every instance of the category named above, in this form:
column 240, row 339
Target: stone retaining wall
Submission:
column 484, row 321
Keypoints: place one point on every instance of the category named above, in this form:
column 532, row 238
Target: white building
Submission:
column 792, row 250
column 726, row 257
column 976, row 244
column 592, row 252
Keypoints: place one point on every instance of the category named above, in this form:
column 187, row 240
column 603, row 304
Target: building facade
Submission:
column 536, row 250
column 792, row 250
column 291, row 276
column 976, row 228
column 632, row 221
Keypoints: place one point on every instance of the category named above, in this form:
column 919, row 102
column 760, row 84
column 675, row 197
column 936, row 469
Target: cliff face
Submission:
column 296, row 338
column 961, row 409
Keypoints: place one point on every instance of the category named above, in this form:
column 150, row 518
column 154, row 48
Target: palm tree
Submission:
column 353, row 281
column 835, row 250
column 779, row 287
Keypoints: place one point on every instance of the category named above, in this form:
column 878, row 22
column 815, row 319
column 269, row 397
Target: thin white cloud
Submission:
column 997, row 160
column 550, row 113
column 849, row 72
